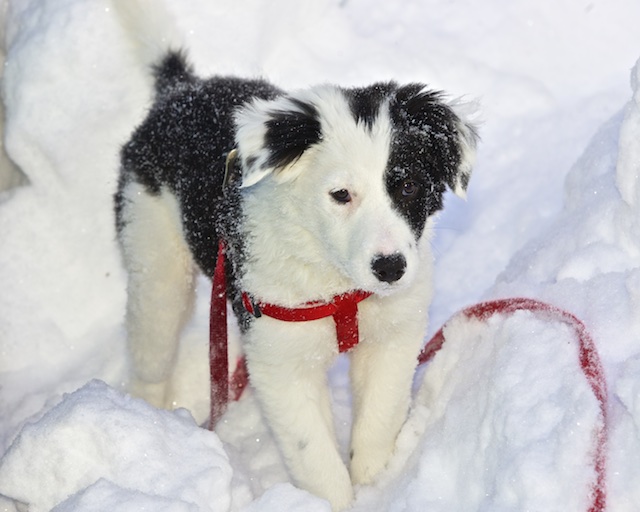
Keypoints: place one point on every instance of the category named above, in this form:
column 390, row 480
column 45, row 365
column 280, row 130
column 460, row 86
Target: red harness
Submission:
column 344, row 310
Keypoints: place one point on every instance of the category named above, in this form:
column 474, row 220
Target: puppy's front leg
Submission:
column 288, row 363
column 382, row 369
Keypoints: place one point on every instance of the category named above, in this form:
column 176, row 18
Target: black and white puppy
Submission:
column 335, row 190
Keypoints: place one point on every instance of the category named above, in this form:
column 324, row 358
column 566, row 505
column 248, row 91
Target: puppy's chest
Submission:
column 290, row 282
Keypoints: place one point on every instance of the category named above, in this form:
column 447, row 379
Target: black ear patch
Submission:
column 424, row 118
column 290, row 133
column 429, row 150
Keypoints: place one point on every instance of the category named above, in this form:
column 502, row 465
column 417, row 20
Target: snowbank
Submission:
column 101, row 447
column 498, row 424
column 588, row 262
column 503, row 417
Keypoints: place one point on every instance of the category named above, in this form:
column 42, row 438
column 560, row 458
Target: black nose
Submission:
column 389, row 268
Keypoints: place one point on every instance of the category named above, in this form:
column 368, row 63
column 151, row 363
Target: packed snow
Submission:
column 503, row 417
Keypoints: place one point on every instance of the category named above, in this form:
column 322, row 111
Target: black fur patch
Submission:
column 425, row 150
column 290, row 133
column 182, row 145
column 171, row 71
column 365, row 102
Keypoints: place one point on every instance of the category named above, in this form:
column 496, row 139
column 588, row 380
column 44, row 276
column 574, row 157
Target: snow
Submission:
column 503, row 417
column 94, row 441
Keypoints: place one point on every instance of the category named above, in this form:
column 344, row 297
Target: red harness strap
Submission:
column 343, row 308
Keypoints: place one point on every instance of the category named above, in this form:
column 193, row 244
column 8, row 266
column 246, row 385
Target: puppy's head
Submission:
column 367, row 166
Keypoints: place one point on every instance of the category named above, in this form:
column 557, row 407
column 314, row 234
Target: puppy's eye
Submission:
column 341, row 196
column 409, row 189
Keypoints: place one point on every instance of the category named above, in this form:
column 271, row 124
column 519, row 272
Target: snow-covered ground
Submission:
column 503, row 417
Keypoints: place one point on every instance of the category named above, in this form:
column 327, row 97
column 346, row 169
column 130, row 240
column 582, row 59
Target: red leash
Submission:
column 218, row 349
column 589, row 363
column 344, row 311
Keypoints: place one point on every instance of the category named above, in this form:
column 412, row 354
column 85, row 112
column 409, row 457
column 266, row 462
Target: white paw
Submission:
column 340, row 496
column 368, row 463
column 326, row 480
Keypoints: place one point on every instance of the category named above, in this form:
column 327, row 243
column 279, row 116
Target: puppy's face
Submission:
column 366, row 168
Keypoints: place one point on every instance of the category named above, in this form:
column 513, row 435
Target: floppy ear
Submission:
column 272, row 135
column 467, row 140
column 444, row 130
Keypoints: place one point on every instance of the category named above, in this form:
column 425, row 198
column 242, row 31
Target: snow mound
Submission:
column 505, row 419
column 99, row 446
column 588, row 261
column 105, row 495
column 512, row 402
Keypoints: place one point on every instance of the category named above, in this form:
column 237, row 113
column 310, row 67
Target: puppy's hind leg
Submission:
column 160, row 288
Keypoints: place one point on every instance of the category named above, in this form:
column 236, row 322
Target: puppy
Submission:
column 333, row 190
